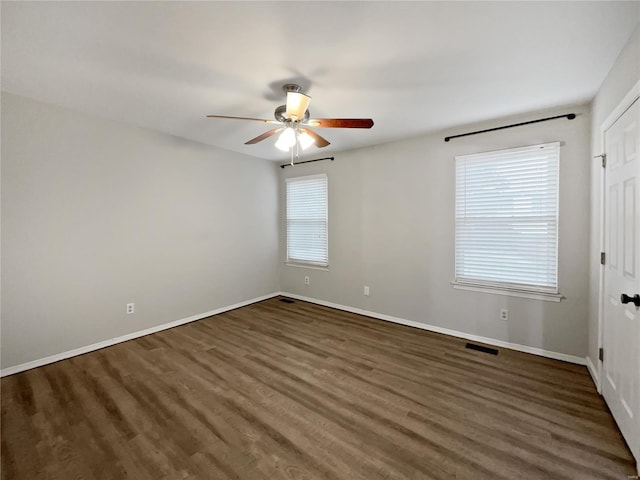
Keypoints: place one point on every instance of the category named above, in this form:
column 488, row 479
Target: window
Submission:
column 507, row 221
column 307, row 220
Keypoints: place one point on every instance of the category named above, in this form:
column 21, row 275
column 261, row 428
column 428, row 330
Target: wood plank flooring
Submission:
column 299, row 391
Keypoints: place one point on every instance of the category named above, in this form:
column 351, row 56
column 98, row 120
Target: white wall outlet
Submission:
column 306, row 280
column 366, row 290
column 504, row 314
column 131, row 307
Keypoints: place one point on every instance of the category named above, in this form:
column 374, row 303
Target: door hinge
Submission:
column 603, row 156
column 603, row 258
column 601, row 354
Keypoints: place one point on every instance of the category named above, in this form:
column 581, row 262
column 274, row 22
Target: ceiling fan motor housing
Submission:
column 280, row 115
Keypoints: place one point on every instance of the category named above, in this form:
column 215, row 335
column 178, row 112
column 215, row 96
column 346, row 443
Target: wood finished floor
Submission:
column 299, row 391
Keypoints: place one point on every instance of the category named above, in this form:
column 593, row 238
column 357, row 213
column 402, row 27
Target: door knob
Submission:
column 624, row 298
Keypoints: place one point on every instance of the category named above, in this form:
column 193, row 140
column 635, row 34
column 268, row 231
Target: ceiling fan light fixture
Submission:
column 297, row 104
column 305, row 140
column 286, row 140
column 282, row 146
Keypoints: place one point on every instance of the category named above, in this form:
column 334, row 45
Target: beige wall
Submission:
column 97, row 214
column 391, row 226
column 619, row 81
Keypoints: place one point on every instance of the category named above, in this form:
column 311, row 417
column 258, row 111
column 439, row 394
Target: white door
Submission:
column 621, row 333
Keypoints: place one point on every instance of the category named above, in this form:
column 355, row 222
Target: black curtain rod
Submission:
column 307, row 161
column 569, row 116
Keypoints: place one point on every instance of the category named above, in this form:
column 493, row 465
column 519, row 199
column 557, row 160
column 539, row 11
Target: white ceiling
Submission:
column 414, row 67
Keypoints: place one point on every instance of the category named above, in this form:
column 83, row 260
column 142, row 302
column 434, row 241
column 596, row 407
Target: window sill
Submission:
column 307, row 265
column 547, row 297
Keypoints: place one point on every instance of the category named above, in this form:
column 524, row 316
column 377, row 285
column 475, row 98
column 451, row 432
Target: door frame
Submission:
column 615, row 114
column 632, row 96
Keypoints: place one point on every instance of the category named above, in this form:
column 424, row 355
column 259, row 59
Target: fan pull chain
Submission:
column 291, row 156
column 297, row 145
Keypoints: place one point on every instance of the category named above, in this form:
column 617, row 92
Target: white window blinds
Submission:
column 507, row 219
column 307, row 220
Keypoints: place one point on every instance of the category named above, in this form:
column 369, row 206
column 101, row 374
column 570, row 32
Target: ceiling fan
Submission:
column 295, row 125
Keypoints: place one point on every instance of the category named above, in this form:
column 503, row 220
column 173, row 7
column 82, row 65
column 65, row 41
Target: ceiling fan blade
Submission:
column 319, row 141
column 243, row 118
column 340, row 122
column 259, row 138
column 297, row 104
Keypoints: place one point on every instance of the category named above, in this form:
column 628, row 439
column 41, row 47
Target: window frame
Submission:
column 507, row 286
column 305, row 263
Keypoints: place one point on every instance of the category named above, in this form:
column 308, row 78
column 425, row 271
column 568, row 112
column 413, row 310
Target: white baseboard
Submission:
column 432, row 328
column 130, row 336
column 594, row 373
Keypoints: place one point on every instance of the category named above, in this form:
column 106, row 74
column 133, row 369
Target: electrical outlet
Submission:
column 306, row 280
column 504, row 314
column 130, row 308
column 366, row 290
